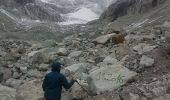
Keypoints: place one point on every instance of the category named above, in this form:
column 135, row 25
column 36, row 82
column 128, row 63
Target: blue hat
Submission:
column 56, row 66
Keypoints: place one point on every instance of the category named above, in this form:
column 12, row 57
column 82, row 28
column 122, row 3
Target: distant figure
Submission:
column 53, row 83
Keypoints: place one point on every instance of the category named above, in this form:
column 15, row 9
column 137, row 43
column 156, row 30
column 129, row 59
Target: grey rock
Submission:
column 75, row 54
column 159, row 91
column 31, row 90
column 23, row 69
column 110, row 60
column 16, row 75
column 146, row 61
column 7, row 93
column 34, row 73
column 111, row 77
column 142, row 48
column 44, row 67
column 15, row 83
column 103, row 39
column 62, row 52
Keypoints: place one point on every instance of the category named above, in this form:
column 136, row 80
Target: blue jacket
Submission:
column 53, row 83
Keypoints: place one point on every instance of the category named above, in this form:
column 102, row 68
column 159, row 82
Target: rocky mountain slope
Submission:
column 125, row 7
column 127, row 59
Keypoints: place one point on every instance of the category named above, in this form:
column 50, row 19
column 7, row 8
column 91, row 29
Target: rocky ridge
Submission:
column 134, row 70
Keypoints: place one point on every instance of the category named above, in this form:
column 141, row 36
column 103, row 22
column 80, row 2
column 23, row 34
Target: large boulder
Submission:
column 7, row 93
column 146, row 61
column 103, row 39
column 142, row 48
column 31, row 90
column 111, row 77
column 62, row 52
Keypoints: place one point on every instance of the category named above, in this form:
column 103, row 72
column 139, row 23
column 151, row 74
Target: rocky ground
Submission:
column 110, row 66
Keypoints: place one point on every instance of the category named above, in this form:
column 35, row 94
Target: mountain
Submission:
column 124, row 7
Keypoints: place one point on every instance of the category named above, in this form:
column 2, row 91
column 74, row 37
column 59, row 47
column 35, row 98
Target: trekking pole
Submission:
column 81, row 86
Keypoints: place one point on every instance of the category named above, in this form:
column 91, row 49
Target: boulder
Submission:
column 167, row 36
column 164, row 97
column 15, row 83
column 44, row 67
column 62, row 52
column 34, row 73
column 7, row 93
column 31, row 90
column 111, row 77
column 23, row 69
column 103, row 39
column 75, row 53
column 146, row 61
column 79, row 69
column 142, row 48
column 40, row 58
column 110, row 60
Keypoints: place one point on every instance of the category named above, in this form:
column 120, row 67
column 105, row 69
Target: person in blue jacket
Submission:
column 53, row 83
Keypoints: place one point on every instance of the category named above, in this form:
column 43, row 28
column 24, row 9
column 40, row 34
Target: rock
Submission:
column 34, row 73
column 142, row 48
column 146, row 61
column 99, row 59
column 16, row 75
column 79, row 69
column 111, row 77
column 159, row 91
column 165, row 97
column 167, row 36
column 110, row 60
column 134, row 96
column 40, row 58
column 7, row 93
column 31, row 90
column 23, row 69
column 121, row 51
column 15, row 83
column 62, row 52
column 7, row 73
column 44, row 67
column 103, row 39
column 75, row 54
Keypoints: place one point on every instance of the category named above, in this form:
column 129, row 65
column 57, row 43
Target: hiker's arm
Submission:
column 66, row 84
column 44, row 83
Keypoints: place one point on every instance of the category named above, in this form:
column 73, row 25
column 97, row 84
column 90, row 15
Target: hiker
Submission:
column 54, row 81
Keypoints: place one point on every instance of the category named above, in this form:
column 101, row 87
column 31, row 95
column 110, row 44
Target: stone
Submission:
column 31, row 90
column 44, row 67
column 7, row 73
column 79, row 69
column 111, row 77
column 110, row 60
column 15, row 83
column 7, row 93
column 142, row 48
column 103, row 39
column 159, row 91
column 16, row 75
column 167, row 36
column 40, row 58
column 146, row 61
column 134, row 96
column 164, row 97
column 62, row 52
column 75, row 54
column 23, row 69
column 34, row 73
